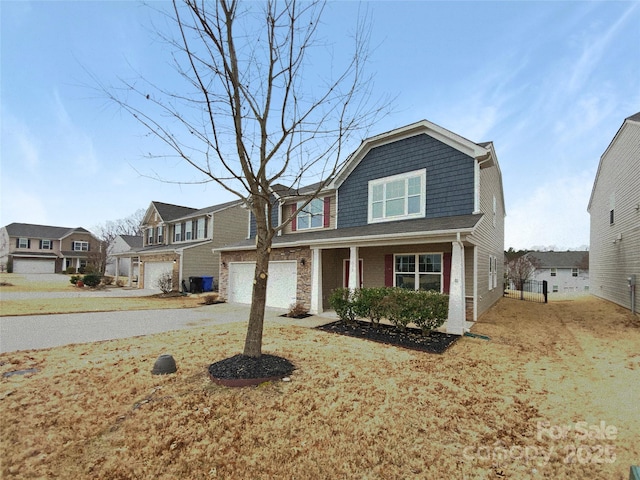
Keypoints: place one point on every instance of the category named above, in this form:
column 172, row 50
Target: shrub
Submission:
column 211, row 299
column 165, row 282
column 70, row 270
column 107, row 280
column 369, row 303
column 91, row 280
column 340, row 301
column 431, row 310
column 74, row 279
column 297, row 310
column 120, row 283
column 397, row 307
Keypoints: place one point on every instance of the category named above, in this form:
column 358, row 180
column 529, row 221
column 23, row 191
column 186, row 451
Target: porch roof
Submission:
column 403, row 231
column 172, row 248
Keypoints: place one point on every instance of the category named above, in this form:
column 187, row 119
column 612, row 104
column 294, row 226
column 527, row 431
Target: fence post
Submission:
column 545, row 290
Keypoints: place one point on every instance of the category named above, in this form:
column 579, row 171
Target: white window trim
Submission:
column 160, row 233
column 417, row 273
column 177, row 232
column 81, row 243
column 201, row 222
column 403, row 176
column 47, row 244
column 188, row 231
column 26, row 243
column 302, row 213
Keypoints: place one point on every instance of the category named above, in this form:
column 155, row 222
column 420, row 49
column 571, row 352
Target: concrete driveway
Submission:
column 34, row 332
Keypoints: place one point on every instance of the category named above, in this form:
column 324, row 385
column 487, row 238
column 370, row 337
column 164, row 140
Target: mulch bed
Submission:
column 243, row 367
column 411, row 338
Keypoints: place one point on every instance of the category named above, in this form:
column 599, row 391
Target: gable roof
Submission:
column 168, row 211
column 475, row 150
column 573, row 259
column 212, row 209
column 29, row 230
column 635, row 119
column 134, row 241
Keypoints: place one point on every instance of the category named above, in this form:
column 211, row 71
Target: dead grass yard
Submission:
column 353, row 409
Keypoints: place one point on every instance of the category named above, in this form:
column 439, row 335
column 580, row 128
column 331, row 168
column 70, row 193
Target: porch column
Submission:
column 354, row 271
column 117, row 269
column 130, row 272
column 456, row 319
column 316, row 281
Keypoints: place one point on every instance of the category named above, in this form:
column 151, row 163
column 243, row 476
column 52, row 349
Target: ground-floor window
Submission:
column 421, row 271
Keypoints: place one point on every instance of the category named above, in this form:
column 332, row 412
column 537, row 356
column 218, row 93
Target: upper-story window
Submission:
column 574, row 272
column 177, row 236
column 554, row 271
column 159, row 231
column 46, row 245
column 23, row 243
column 397, row 197
column 201, row 231
column 188, row 230
column 150, row 236
column 80, row 246
column 312, row 216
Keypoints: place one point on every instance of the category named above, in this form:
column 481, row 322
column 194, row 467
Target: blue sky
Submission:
column 549, row 82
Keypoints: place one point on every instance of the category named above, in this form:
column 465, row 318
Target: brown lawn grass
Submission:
column 40, row 306
column 19, row 283
column 352, row 409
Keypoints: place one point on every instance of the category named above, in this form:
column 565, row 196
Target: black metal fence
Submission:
column 530, row 290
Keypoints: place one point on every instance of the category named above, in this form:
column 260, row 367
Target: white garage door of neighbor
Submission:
column 281, row 289
column 22, row 265
column 153, row 271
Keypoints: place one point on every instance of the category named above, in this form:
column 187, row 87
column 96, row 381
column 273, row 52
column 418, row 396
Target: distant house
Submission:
column 566, row 273
column 178, row 240
column 28, row 248
column 614, row 207
column 418, row 207
column 117, row 265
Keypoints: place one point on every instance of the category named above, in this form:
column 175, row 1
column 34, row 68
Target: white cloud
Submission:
column 19, row 144
column 554, row 213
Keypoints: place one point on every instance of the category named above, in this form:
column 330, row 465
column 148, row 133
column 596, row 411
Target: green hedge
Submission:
column 426, row 309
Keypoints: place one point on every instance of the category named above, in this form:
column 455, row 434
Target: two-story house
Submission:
column 614, row 208
column 418, row 207
column 116, row 264
column 566, row 273
column 179, row 240
column 28, row 248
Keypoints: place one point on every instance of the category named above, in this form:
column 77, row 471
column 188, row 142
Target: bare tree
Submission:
column 520, row 269
column 107, row 233
column 253, row 113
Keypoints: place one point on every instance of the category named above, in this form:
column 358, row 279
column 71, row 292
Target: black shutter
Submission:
column 40, row 244
column 28, row 243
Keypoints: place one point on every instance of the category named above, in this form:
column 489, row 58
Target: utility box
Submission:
column 632, row 281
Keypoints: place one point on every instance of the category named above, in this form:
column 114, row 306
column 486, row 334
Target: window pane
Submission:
column 303, row 221
column 376, row 210
column 414, row 204
column 377, row 193
column 316, row 221
column 316, row 207
column 414, row 186
column 430, row 282
column 406, row 281
column 395, row 189
column 395, row 207
column 405, row 263
column 430, row 263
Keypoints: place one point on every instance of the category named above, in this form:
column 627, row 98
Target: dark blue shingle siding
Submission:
column 450, row 178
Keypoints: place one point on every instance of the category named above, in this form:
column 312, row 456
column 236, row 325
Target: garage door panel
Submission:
column 24, row 265
column 281, row 288
column 153, row 271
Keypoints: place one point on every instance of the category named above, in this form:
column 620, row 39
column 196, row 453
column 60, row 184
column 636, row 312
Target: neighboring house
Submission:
column 418, row 207
column 31, row 248
column 614, row 207
column 566, row 273
column 180, row 240
column 118, row 265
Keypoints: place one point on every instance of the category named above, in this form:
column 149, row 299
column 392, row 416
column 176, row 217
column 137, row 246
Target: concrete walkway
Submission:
column 45, row 331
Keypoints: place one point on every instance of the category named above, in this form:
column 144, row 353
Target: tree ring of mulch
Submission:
column 243, row 371
column 411, row 338
column 298, row 317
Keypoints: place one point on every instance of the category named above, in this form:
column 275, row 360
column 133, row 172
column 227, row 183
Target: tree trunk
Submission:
column 253, row 340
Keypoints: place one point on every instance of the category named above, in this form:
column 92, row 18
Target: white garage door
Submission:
column 31, row 265
column 153, row 271
column 281, row 289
